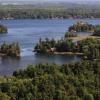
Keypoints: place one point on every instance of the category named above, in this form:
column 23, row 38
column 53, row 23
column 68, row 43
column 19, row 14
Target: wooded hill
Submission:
column 48, row 11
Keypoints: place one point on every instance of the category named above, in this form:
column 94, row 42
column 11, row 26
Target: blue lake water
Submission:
column 28, row 33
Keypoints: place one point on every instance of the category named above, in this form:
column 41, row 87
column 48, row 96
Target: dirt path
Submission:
column 82, row 37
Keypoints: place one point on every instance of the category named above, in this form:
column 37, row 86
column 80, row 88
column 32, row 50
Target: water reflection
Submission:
column 8, row 65
column 6, row 61
column 60, row 59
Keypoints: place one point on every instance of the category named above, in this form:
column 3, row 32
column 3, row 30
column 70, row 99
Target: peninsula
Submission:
column 73, row 43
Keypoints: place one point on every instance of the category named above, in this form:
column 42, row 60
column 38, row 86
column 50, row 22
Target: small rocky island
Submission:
column 12, row 50
column 82, row 27
column 3, row 29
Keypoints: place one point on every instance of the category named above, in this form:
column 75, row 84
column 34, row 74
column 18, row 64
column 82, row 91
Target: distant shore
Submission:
column 47, row 18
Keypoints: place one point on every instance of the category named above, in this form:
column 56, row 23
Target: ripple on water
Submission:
column 27, row 52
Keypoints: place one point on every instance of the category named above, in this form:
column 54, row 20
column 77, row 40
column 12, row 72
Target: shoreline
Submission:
column 4, row 55
column 83, row 37
column 67, row 53
column 52, row 19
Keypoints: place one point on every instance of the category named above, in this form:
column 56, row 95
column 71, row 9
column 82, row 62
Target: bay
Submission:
column 27, row 33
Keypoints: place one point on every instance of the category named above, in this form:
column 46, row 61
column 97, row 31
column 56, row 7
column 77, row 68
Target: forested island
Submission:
column 12, row 50
column 74, row 81
column 81, row 27
column 3, row 29
column 84, row 27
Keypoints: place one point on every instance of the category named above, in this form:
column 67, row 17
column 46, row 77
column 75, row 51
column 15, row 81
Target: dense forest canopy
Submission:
column 90, row 48
column 75, row 81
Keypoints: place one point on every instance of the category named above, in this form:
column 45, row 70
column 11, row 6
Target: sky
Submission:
column 72, row 1
column 50, row 0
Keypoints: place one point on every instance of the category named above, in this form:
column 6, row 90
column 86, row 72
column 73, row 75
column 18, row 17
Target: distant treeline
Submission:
column 31, row 12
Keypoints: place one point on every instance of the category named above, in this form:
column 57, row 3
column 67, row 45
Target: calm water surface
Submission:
column 27, row 33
